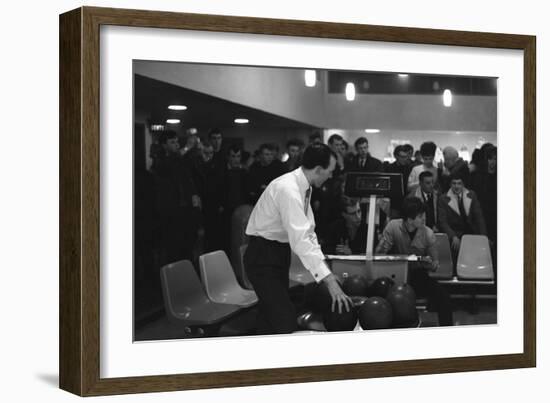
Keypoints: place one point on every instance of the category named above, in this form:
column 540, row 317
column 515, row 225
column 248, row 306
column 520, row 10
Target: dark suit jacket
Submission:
column 450, row 221
column 418, row 194
column 371, row 165
column 338, row 233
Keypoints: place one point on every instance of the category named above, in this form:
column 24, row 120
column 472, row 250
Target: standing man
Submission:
column 452, row 165
column 427, row 150
column 460, row 213
column 261, row 173
column 216, row 139
column 294, row 150
column 363, row 161
column 429, row 196
column 282, row 220
column 401, row 166
column 336, row 144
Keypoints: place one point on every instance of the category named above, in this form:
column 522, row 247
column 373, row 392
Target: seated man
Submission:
column 409, row 235
column 460, row 213
column 346, row 235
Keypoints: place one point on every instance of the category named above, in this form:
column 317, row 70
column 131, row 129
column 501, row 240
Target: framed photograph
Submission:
column 176, row 129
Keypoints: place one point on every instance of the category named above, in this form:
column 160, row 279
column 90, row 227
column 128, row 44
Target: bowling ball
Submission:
column 339, row 322
column 380, row 287
column 375, row 313
column 404, row 288
column 321, row 300
column 357, row 301
column 355, row 286
column 404, row 309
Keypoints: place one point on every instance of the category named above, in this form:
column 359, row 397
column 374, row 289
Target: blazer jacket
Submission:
column 450, row 220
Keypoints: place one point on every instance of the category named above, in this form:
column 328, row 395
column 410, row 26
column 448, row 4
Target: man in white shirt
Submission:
column 282, row 220
column 427, row 150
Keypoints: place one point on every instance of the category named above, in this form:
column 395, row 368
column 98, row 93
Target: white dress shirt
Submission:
column 279, row 215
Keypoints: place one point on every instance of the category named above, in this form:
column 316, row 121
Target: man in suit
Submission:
column 401, row 166
column 460, row 213
column 363, row 161
column 429, row 196
column 347, row 234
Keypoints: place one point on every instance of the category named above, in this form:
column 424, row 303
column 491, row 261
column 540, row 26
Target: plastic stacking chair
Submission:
column 298, row 274
column 445, row 271
column 474, row 258
column 240, row 271
column 185, row 300
column 220, row 282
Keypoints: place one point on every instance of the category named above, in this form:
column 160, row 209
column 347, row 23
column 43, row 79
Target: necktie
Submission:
column 430, row 213
column 461, row 208
column 362, row 163
column 306, row 203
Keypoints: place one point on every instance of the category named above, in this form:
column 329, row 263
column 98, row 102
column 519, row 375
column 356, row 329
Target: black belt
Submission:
column 254, row 238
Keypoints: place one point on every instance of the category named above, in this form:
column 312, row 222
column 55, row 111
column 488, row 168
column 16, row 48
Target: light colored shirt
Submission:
column 280, row 215
column 414, row 176
column 395, row 239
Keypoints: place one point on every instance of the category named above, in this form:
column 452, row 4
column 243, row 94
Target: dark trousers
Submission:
column 437, row 295
column 267, row 264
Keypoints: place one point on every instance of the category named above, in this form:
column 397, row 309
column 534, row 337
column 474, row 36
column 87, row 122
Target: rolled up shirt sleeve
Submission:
column 301, row 235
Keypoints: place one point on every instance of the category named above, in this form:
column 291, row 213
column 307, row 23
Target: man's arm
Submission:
column 386, row 241
column 303, row 242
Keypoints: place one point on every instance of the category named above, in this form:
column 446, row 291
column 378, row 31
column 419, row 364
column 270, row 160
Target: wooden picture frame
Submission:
column 80, row 215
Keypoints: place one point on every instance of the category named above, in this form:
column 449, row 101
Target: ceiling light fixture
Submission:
column 241, row 121
column 372, row 130
column 310, row 77
column 401, row 75
column 447, row 98
column 350, row 91
column 177, row 107
column 173, row 121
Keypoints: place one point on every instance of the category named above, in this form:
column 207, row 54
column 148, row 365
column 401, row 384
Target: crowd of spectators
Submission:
column 185, row 201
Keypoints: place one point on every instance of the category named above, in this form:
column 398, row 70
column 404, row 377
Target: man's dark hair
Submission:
column 315, row 135
column 294, row 142
column 425, row 174
column 428, row 149
column 234, row 148
column 490, row 152
column 214, row 131
column 317, row 155
column 408, row 148
column 267, row 146
column 397, row 150
column 335, row 137
column 207, row 144
column 412, row 208
column 456, row 176
column 360, row 140
column 165, row 135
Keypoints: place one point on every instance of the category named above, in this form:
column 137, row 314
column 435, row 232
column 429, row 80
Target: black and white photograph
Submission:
column 278, row 200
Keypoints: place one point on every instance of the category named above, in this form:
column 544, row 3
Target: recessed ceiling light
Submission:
column 350, row 91
column 403, row 75
column 372, row 130
column 447, row 98
column 173, row 121
column 177, row 107
column 310, row 77
column 241, row 121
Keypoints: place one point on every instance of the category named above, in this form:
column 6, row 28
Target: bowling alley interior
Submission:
column 209, row 138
